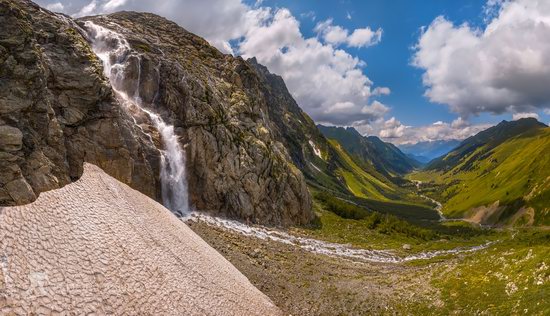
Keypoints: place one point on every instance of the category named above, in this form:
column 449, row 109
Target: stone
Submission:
column 54, row 91
column 20, row 191
column 236, row 163
column 407, row 247
column 11, row 138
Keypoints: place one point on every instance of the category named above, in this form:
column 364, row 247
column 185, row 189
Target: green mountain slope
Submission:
column 386, row 158
column 473, row 148
column 328, row 166
column 505, row 180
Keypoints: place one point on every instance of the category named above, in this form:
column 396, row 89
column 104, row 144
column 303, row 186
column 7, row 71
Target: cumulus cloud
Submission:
column 394, row 131
column 336, row 35
column 327, row 82
column 504, row 67
column 518, row 116
column 88, row 9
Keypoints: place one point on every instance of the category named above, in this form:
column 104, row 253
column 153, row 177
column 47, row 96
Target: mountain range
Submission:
column 424, row 152
column 386, row 158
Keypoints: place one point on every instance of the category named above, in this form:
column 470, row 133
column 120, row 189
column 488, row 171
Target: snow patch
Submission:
column 316, row 149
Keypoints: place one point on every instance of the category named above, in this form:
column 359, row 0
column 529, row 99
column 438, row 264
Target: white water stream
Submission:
column 438, row 206
column 323, row 247
column 116, row 55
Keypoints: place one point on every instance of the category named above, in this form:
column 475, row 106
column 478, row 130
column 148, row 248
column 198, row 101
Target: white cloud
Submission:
column 336, row 35
column 328, row 83
column 518, row 116
column 364, row 37
column 219, row 21
column 394, row 131
column 381, row 91
column 310, row 15
column 504, row 67
column 56, row 7
column 88, row 9
column 112, row 5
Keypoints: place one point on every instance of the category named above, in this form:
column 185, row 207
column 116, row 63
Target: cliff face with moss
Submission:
column 58, row 110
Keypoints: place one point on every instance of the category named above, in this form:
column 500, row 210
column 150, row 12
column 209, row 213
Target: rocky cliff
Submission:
column 58, row 110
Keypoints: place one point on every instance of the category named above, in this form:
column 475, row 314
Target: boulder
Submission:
column 11, row 138
column 20, row 191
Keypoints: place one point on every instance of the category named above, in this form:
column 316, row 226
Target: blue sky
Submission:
column 476, row 62
column 389, row 62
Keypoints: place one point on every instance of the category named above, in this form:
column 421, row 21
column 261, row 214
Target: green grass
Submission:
column 347, row 223
column 383, row 223
column 359, row 181
column 511, row 277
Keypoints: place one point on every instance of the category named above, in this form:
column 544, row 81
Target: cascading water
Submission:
column 116, row 55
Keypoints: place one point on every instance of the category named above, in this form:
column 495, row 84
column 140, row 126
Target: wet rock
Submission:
column 236, row 163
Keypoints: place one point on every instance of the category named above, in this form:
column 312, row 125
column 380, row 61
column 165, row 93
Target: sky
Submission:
column 405, row 71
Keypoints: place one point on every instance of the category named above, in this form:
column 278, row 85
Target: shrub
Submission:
column 383, row 223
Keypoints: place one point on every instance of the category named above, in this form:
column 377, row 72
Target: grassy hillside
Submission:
column 514, row 172
column 327, row 165
column 475, row 147
column 372, row 151
column 510, row 276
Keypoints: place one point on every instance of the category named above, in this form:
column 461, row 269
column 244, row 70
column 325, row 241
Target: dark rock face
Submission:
column 236, row 166
column 293, row 126
column 58, row 110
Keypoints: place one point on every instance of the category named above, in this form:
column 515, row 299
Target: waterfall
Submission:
column 116, row 55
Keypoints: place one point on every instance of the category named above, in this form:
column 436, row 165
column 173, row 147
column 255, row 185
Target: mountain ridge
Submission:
column 489, row 138
column 497, row 177
column 65, row 113
column 429, row 150
column 384, row 157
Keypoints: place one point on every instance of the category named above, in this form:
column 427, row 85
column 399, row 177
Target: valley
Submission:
column 125, row 138
column 513, row 271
